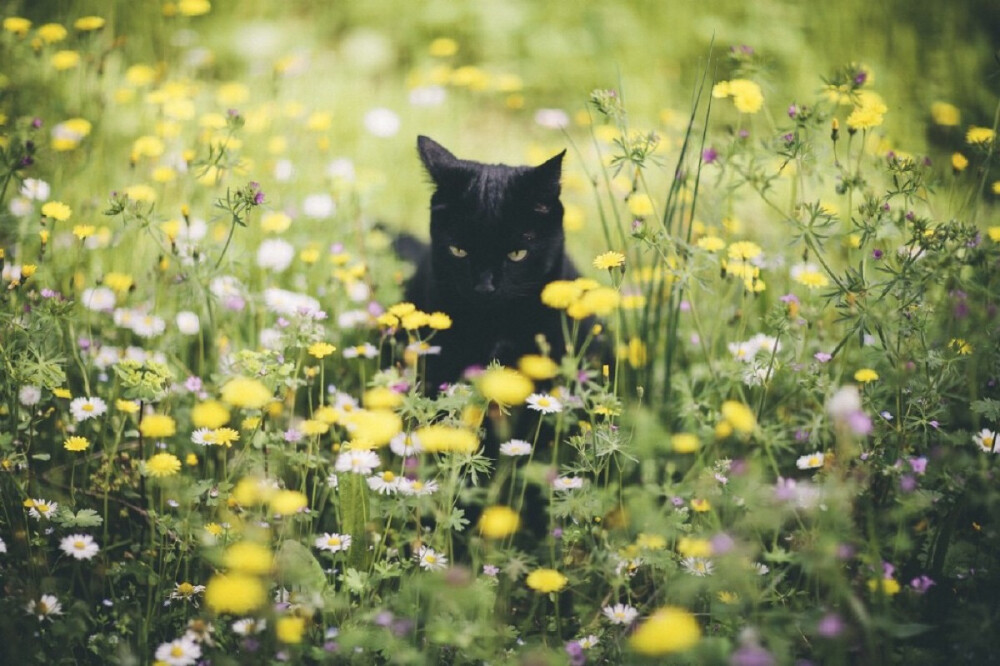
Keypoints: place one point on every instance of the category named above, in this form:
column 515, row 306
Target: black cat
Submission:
column 496, row 241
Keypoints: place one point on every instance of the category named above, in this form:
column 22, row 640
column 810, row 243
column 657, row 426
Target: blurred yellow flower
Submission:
column 497, row 522
column 321, row 349
column 381, row 397
column 744, row 251
column 699, row 505
column 948, row 115
column 443, row 47
column 446, row 439
column 689, row 547
column 669, row 629
column 977, row 135
column 193, row 7
column 52, row 32
column 63, row 60
column 739, row 416
column 140, row 75
column 245, row 392
column 711, row 243
column 994, row 234
column 290, row 629
column 747, row 95
column 372, row 428
column 546, row 580
column 535, row 366
column 17, row 25
column 234, row 593
column 505, row 386
column 157, row 426
column 209, row 414
column 684, row 442
column 57, row 210
column 275, row 222
column 248, row 557
column 287, row 502
column 127, row 406
column 888, row 586
column 640, row 205
column 88, row 23
column 439, row 321
column 959, row 162
column 84, row 231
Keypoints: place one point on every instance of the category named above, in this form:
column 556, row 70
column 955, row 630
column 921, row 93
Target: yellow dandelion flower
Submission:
column 668, row 630
column 248, row 557
column 959, row 162
column 537, row 367
column 497, row 522
column 546, row 580
column 609, row 260
column 245, row 392
column 194, row 7
column 56, row 210
column 711, row 243
column 689, row 547
column 812, row 279
column 17, row 25
column 744, row 251
column 446, row 439
column 640, row 205
column 994, row 234
column 63, row 60
column 209, row 414
column 287, row 502
column 699, row 505
column 560, row 294
column 372, row 428
column 157, row 426
column 50, row 33
column 439, row 321
column 127, row 406
column 887, row 586
column 275, row 222
column 321, row 349
column 865, row 375
column 234, row 593
column 684, row 442
column 76, row 443
column 945, row 114
column 505, row 386
column 443, row 47
column 747, row 95
column 650, row 541
column 979, row 135
column 88, row 23
column 739, row 416
column 84, row 231
column 381, row 397
column 290, row 629
column 163, row 464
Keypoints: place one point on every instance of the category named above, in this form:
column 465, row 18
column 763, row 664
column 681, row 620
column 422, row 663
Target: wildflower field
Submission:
column 216, row 445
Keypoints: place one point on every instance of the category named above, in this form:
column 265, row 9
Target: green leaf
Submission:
column 297, row 566
column 87, row 518
column 355, row 581
column 41, row 456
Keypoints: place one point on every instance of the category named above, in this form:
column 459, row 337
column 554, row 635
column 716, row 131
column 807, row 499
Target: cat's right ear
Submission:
column 436, row 158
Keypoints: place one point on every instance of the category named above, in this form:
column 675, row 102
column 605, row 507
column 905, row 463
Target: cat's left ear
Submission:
column 545, row 177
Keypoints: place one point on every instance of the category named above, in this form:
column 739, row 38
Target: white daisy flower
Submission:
column 515, row 447
column 3, row 546
column 382, row 123
column 98, row 299
column 107, row 356
column 249, row 626
column 544, row 403
column 80, row 546
column 428, row 96
column 35, row 189
column 183, row 651
column 341, row 168
column 620, row 613
column 552, row 118
column 275, row 254
column 588, row 642
column 417, row 487
column 357, row 461
column 423, row 349
column 698, row 566
column 319, row 206
column 147, row 325
column 202, row 436
column 405, row 445
column 87, row 408
column 43, row 509
column 810, row 461
column 290, row 303
column 47, row 606
column 567, row 483
column 332, row 481
column 185, row 591
column 986, row 439
column 333, row 542
column 760, row 569
column 188, row 322
column 385, row 483
column 430, row 560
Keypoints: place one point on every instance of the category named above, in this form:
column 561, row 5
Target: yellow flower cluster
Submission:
column 408, row 317
column 735, row 416
column 372, row 429
column 747, row 95
column 868, row 111
column 447, row 439
column 581, row 298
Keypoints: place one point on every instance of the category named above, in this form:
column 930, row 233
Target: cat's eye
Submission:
column 517, row 255
column 457, row 251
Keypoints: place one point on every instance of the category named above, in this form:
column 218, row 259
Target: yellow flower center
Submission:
column 87, row 407
column 333, row 541
column 388, row 477
column 185, row 589
column 177, row 651
column 79, row 545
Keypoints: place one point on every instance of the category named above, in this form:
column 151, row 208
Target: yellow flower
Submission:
column 443, row 47
column 439, row 321
column 62, row 393
column 209, row 414
column 546, row 580
column 163, row 464
column 27, row 270
column 747, row 95
column 191, row 460
column 446, row 439
column 640, row 205
column 246, row 393
column 537, row 367
column 711, row 243
column 84, row 231
column 609, row 260
column 194, row 7
column 141, row 192
column 248, row 557
column 888, row 586
column 63, row 60
column 994, row 234
column 670, row 629
column 744, row 250
column 497, row 522
column 560, row 294
column 650, row 541
column 812, row 279
column 157, row 426
column 223, row 437
column 601, row 302
column 948, row 115
column 17, row 25
column 57, row 210
column 995, row 187
column 87, row 23
column 402, row 309
column 977, row 135
column 140, row 75
column 381, row 397
column 288, row 502
column 76, row 444
column 290, row 629
column 372, row 428
column 865, row 375
column 414, row 320
column 505, row 386
column 275, row 222
column 684, row 442
column 959, row 162
column 234, row 593
column 700, row 505
column 118, row 282
column 127, row 406
column 321, row 349
column 739, row 416
column 689, row 547
column 52, row 33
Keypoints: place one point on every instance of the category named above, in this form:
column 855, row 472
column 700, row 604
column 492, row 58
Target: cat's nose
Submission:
column 485, row 284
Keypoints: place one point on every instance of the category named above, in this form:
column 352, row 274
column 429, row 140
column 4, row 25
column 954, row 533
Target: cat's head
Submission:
column 496, row 230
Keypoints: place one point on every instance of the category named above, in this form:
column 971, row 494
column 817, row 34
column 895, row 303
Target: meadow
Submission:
column 216, row 445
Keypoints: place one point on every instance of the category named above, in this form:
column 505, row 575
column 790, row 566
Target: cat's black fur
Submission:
column 483, row 217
